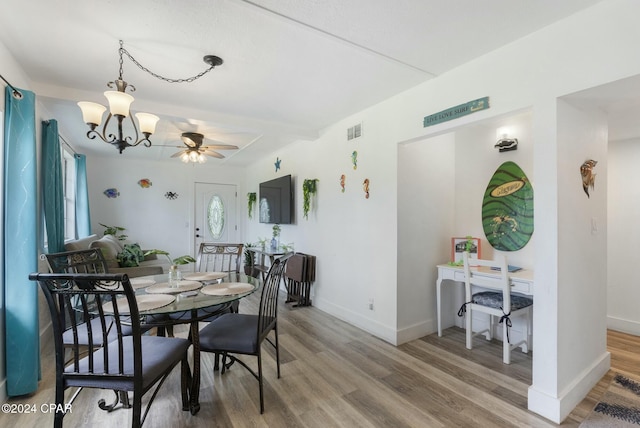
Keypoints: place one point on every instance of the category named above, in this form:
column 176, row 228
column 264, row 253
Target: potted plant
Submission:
column 115, row 231
column 309, row 187
column 182, row 260
column 249, row 261
column 251, row 200
column 276, row 235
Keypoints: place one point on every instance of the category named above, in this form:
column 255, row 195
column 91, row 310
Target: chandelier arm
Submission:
column 166, row 79
column 138, row 140
column 92, row 134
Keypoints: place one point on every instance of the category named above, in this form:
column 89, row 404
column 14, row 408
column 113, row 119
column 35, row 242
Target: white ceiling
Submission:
column 291, row 67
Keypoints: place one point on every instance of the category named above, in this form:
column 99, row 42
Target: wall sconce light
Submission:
column 505, row 143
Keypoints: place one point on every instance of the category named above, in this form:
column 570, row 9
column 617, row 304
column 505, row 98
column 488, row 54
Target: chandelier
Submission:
column 119, row 103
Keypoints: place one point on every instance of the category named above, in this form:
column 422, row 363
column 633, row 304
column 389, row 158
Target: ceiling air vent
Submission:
column 354, row 132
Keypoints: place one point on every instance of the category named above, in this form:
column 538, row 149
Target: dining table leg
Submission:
column 194, row 395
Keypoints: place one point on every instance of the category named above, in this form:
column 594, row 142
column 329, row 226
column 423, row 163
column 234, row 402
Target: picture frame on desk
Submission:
column 459, row 246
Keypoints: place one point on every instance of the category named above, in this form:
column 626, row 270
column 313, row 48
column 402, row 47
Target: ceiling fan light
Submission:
column 202, row 158
column 91, row 112
column 119, row 102
column 147, row 122
column 184, row 157
column 193, row 156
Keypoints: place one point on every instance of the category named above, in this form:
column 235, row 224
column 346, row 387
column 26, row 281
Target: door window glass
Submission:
column 215, row 216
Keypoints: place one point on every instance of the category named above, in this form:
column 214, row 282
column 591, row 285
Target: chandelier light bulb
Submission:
column 147, row 122
column 119, row 102
column 91, row 112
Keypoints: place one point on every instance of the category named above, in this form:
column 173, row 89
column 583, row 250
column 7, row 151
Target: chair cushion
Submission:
column 158, row 354
column 493, row 299
column 235, row 333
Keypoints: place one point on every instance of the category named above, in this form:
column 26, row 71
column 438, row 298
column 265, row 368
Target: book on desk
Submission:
column 510, row 268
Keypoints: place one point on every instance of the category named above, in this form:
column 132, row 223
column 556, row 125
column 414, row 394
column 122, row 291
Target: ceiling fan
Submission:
column 194, row 151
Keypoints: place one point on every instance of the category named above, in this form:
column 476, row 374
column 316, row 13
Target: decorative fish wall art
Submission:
column 354, row 159
column 111, row 193
column 343, row 178
column 588, row 176
column 145, row 183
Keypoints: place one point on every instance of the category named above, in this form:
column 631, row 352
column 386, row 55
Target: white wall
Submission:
column 149, row 217
column 426, row 202
column 623, row 294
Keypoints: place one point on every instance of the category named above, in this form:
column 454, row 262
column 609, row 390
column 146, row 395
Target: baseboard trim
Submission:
column 558, row 408
column 623, row 325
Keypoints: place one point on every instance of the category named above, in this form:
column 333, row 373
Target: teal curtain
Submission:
column 22, row 340
column 83, row 214
column 52, row 186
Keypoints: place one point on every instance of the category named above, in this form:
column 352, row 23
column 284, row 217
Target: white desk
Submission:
column 521, row 281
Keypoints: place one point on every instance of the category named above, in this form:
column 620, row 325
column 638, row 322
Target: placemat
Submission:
column 227, row 288
column 146, row 302
column 205, row 276
column 141, row 282
column 163, row 287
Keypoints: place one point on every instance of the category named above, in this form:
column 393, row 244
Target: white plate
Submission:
column 227, row 288
column 146, row 302
column 141, row 282
column 163, row 287
column 205, row 276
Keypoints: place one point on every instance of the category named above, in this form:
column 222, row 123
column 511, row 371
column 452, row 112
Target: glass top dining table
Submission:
column 194, row 300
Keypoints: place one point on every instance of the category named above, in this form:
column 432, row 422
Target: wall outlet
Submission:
column 371, row 304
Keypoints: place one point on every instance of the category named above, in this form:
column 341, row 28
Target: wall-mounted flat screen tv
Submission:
column 276, row 201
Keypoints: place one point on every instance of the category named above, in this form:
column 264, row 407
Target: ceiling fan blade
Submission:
column 189, row 142
column 180, row 153
column 220, row 147
column 213, row 154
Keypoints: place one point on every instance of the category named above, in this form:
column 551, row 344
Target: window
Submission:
column 215, row 217
column 69, row 192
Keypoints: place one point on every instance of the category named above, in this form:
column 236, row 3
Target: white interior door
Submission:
column 215, row 214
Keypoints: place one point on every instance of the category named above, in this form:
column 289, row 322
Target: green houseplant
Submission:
column 182, row 260
column 251, row 200
column 249, row 261
column 115, row 231
column 309, row 187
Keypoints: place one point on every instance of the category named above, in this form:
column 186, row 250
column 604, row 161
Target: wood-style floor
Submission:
column 336, row 375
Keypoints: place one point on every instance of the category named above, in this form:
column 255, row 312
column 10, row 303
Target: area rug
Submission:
column 619, row 407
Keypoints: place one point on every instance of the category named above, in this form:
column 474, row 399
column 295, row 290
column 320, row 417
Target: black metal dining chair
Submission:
column 217, row 257
column 90, row 261
column 243, row 334
column 133, row 363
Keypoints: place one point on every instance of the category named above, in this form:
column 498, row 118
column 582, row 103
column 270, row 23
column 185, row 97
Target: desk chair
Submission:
column 243, row 334
column 133, row 363
column 493, row 302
